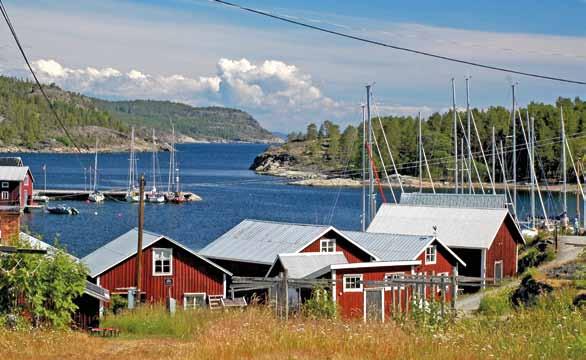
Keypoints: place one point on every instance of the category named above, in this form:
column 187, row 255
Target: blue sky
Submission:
column 202, row 53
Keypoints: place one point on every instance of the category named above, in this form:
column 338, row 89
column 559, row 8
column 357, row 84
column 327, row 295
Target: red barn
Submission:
column 16, row 186
column 168, row 269
column 486, row 239
column 251, row 247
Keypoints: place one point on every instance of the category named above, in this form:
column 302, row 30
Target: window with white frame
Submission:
column 430, row 254
column 26, row 180
column 5, row 185
column 194, row 300
column 395, row 276
column 5, row 195
column 162, row 262
column 327, row 245
column 352, row 283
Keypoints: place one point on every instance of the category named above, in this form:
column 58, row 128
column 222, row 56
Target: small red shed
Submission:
column 169, row 269
column 16, row 186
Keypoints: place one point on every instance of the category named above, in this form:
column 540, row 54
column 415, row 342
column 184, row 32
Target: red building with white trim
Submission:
column 169, row 269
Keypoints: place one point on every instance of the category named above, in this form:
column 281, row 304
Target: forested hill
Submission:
column 210, row 123
column 328, row 148
column 26, row 122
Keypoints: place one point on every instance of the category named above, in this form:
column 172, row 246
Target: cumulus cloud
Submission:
column 270, row 87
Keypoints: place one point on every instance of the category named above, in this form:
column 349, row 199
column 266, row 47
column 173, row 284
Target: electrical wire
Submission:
column 396, row 47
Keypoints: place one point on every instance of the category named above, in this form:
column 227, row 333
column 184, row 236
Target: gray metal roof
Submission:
column 38, row 244
column 478, row 201
column 300, row 265
column 261, row 241
column 13, row 173
column 124, row 247
column 11, row 161
column 456, row 227
column 391, row 247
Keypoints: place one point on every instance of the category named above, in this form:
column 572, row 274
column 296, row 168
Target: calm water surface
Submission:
column 216, row 172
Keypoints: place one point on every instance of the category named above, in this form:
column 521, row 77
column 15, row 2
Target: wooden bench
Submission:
column 218, row 302
column 104, row 332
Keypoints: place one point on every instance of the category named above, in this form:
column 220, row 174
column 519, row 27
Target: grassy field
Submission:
column 552, row 330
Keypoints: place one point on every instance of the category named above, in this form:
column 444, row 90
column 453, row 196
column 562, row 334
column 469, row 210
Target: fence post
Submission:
column 286, row 294
column 454, row 287
column 443, row 294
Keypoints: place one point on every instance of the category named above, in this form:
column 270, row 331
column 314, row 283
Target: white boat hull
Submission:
column 96, row 197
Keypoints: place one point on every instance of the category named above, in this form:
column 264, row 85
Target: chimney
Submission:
column 9, row 226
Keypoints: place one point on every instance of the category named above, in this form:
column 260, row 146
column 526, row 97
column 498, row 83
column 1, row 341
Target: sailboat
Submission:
column 95, row 195
column 132, row 193
column 154, row 196
column 174, row 193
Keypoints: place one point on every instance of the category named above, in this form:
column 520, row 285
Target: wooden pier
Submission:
column 76, row 194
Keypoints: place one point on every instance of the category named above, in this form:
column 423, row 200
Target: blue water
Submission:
column 217, row 172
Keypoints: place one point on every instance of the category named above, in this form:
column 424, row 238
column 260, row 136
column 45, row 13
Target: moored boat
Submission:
column 62, row 210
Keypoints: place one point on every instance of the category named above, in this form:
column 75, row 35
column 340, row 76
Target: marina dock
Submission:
column 77, row 194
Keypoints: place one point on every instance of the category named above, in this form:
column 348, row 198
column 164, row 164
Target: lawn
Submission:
column 554, row 329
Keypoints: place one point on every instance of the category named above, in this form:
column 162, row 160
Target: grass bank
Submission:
column 554, row 329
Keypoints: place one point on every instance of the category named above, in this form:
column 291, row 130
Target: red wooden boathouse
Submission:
column 169, row 269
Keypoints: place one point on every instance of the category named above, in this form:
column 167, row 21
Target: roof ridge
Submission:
column 285, row 223
column 387, row 234
column 444, row 207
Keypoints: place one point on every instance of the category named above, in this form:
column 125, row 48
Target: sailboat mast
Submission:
column 420, row 146
column 493, row 159
column 363, row 217
column 532, row 165
column 154, row 163
column 513, row 119
column 131, row 167
column 96, row 166
column 564, row 180
column 371, row 195
column 469, row 148
column 463, row 163
column 455, row 116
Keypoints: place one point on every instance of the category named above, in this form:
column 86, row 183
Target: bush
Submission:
column 496, row 303
column 118, row 304
column 320, row 305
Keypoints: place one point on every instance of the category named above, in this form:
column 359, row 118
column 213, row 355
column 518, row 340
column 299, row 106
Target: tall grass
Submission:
column 554, row 329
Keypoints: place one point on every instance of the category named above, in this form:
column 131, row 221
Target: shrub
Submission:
column 496, row 303
column 320, row 305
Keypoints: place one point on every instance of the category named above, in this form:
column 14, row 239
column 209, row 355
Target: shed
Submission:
column 169, row 269
column 485, row 239
column 16, row 186
column 251, row 247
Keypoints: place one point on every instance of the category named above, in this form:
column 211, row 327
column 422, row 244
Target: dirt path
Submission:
column 569, row 247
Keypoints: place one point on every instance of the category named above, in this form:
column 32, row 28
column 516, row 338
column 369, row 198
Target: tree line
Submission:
column 332, row 149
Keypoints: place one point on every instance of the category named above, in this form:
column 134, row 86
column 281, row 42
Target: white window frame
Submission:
column 5, row 195
column 360, row 279
column 26, row 180
column 5, row 185
column 401, row 276
column 324, row 245
column 170, row 273
column 193, row 294
column 427, row 260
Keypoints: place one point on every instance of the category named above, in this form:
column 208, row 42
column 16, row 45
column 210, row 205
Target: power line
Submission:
column 51, row 106
column 396, row 47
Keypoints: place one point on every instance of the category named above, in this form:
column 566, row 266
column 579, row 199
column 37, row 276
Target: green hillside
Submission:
column 26, row 122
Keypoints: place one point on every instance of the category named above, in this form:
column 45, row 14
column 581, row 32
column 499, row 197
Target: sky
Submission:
column 202, row 53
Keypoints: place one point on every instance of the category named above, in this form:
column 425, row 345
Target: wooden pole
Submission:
column 454, row 287
column 140, row 233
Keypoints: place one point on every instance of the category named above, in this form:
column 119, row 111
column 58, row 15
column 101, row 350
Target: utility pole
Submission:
column 455, row 116
column 363, row 216
column 140, row 234
column 468, row 117
column 513, row 119
column 371, row 195
column 420, row 145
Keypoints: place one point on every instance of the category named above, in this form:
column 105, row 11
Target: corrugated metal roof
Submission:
column 300, row 265
column 391, row 247
column 124, row 247
column 38, row 244
column 261, row 241
column 478, row 201
column 11, row 161
column 13, row 173
column 456, row 227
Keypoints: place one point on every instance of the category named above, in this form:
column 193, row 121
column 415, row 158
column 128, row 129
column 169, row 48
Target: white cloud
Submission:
column 270, row 87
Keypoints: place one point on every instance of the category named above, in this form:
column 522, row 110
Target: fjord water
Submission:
column 217, row 172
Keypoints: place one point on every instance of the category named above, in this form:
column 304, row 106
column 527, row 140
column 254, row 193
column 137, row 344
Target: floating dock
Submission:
column 83, row 195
